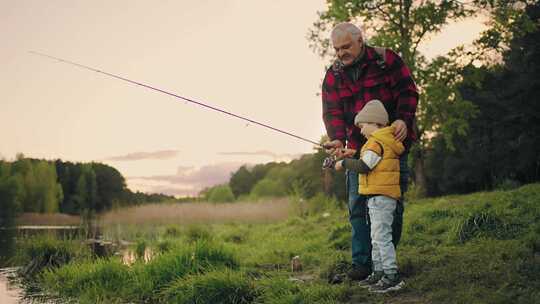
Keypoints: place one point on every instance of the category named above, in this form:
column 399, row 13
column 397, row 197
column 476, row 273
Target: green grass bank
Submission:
column 477, row 248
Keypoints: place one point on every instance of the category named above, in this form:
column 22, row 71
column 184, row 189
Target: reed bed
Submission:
column 191, row 213
column 48, row 219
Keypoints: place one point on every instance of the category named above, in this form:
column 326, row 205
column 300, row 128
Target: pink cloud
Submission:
column 187, row 180
column 262, row 153
column 159, row 155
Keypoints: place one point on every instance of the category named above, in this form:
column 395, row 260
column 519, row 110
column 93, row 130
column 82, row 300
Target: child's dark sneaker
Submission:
column 389, row 282
column 358, row 272
column 371, row 280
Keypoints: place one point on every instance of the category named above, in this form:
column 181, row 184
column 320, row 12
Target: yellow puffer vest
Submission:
column 384, row 178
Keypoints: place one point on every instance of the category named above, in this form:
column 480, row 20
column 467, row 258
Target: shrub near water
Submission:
column 99, row 281
column 40, row 253
column 104, row 281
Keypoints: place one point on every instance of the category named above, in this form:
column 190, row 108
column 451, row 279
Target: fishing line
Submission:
column 177, row 96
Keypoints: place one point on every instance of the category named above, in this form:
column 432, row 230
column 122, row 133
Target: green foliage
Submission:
column 220, row 194
column 302, row 178
column 39, row 253
column 140, row 249
column 321, row 203
column 10, row 204
column 220, row 286
column 241, row 181
column 172, row 231
column 340, row 237
column 110, row 186
column 268, row 188
column 108, row 280
column 99, row 281
column 29, row 186
column 196, row 233
column 507, row 117
column 33, row 185
column 281, row 291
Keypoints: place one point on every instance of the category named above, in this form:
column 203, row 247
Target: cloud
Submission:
column 159, row 155
column 187, row 180
column 271, row 154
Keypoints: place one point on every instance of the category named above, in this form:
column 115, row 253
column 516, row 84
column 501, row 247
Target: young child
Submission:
column 378, row 166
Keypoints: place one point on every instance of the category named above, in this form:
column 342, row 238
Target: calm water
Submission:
column 12, row 291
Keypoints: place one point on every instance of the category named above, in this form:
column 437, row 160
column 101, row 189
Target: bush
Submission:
column 320, row 203
column 221, row 194
column 227, row 287
column 198, row 233
column 103, row 279
column 340, row 237
column 40, row 253
column 268, row 188
column 481, row 224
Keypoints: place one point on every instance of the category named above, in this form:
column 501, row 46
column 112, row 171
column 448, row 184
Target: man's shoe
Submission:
column 389, row 282
column 358, row 272
column 372, row 279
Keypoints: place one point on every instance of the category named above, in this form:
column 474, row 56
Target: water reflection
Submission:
column 129, row 256
column 12, row 288
column 9, row 293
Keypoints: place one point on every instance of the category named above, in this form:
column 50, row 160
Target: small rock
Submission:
column 296, row 264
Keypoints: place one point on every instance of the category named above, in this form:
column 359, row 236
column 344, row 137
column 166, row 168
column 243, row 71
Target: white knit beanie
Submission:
column 372, row 112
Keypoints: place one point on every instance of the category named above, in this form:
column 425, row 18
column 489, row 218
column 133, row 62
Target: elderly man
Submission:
column 359, row 74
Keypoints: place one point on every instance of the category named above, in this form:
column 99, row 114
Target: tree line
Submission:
column 34, row 185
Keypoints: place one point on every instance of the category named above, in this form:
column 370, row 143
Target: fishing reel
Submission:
column 329, row 162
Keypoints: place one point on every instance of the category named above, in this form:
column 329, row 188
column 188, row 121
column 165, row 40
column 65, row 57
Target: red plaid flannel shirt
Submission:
column 342, row 97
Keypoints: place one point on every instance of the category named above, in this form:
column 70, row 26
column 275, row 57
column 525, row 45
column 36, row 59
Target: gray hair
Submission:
column 346, row 27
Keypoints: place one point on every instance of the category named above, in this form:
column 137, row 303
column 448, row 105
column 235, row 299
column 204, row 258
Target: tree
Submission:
column 9, row 189
column 86, row 189
column 220, row 194
column 110, row 186
column 502, row 145
column 241, row 181
column 267, row 187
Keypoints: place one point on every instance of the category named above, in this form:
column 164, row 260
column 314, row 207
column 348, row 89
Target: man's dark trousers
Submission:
column 359, row 218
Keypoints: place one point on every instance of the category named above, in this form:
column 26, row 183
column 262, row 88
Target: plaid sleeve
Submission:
column 403, row 88
column 332, row 111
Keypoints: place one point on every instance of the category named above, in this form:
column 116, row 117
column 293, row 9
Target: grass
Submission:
column 39, row 253
column 477, row 248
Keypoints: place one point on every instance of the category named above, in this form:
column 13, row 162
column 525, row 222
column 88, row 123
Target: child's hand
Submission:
column 348, row 153
column 339, row 165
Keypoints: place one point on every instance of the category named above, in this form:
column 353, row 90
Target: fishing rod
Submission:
column 177, row 96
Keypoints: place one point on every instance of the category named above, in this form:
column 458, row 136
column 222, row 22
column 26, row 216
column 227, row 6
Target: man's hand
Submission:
column 331, row 146
column 347, row 153
column 401, row 130
column 335, row 148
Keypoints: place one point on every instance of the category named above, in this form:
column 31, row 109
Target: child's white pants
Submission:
column 381, row 216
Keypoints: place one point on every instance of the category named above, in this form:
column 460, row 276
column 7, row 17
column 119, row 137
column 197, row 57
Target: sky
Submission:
column 249, row 57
